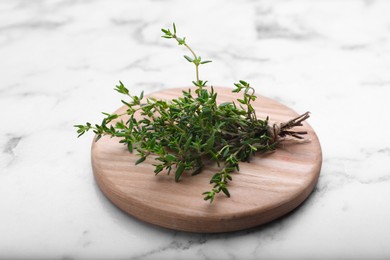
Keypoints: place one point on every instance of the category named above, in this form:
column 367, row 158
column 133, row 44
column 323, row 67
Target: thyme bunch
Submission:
column 186, row 132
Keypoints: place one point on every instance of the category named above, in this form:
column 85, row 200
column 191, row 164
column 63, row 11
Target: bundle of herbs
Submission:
column 186, row 133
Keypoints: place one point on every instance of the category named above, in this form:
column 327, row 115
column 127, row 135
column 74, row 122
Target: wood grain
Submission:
column 266, row 188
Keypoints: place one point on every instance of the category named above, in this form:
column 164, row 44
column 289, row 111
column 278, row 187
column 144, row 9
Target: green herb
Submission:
column 186, row 132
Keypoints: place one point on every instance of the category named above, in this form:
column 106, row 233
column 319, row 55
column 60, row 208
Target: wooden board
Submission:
column 266, row 188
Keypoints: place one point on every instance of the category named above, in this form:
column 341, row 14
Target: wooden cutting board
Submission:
column 266, row 188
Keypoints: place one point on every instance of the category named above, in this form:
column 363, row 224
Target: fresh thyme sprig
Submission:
column 196, row 60
column 186, row 132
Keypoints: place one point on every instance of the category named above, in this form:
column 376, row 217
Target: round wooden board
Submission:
column 266, row 188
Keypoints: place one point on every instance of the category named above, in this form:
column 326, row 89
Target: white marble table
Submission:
column 59, row 61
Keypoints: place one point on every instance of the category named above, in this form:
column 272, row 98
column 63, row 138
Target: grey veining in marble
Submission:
column 59, row 61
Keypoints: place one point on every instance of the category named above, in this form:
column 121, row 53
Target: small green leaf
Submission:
column 130, row 147
column 179, row 171
column 120, row 125
column 158, row 169
column 210, row 142
column 140, row 160
column 216, row 178
column 225, row 152
column 226, row 191
column 188, row 58
column 244, row 83
column 187, row 144
column 241, row 101
column 174, row 28
column 170, row 157
column 121, row 88
column 225, row 104
column 197, row 170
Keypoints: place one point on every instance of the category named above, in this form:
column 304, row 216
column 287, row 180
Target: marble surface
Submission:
column 59, row 61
